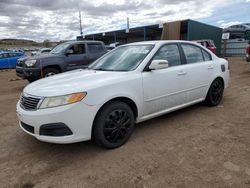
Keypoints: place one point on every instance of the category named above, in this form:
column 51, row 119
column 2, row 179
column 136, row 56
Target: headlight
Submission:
column 30, row 63
column 49, row 102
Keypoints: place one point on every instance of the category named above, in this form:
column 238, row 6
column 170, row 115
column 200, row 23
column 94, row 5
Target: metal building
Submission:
column 179, row 30
column 234, row 47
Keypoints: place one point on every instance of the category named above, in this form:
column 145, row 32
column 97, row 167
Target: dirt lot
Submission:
column 198, row 146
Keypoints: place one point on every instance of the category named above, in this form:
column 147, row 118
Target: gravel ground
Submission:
column 198, row 146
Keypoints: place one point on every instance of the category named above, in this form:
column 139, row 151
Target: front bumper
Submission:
column 78, row 117
column 25, row 72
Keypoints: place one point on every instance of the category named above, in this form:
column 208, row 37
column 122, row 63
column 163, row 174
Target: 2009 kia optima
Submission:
column 128, row 85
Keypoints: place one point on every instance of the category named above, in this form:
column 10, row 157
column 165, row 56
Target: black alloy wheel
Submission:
column 215, row 92
column 114, row 125
column 117, row 126
column 50, row 72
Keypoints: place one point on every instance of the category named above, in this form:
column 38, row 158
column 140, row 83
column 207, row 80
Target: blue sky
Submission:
column 238, row 12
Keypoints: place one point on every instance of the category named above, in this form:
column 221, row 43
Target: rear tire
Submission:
column 215, row 93
column 49, row 72
column 113, row 125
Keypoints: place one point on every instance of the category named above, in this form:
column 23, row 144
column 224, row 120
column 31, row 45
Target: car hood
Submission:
column 72, row 82
column 41, row 57
column 44, row 55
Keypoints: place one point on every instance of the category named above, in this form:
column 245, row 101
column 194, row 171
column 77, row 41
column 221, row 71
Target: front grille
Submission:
column 29, row 103
column 27, row 127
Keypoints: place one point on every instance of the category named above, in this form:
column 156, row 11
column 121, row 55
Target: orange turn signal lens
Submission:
column 76, row 97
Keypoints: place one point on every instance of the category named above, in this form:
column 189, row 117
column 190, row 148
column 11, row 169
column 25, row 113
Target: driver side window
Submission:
column 170, row 53
column 77, row 49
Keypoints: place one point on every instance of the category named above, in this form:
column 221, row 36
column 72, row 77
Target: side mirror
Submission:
column 158, row 64
column 69, row 51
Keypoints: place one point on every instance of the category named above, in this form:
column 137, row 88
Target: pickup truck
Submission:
column 64, row 57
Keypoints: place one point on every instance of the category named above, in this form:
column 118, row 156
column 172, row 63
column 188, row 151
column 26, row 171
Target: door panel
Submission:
column 4, row 60
column 13, row 60
column 164, row 89
column 198, row 77
column 198, row 70
column 75, row 61
column 77, row 58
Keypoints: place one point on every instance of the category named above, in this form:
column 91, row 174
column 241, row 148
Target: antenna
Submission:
column 80, row 16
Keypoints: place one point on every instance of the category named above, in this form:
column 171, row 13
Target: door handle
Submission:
column 182, row 73
column 210, row 67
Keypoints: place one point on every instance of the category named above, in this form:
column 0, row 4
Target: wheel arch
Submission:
column 217, row 77
column 126, row 100
column 220, row 78
column 53, row 66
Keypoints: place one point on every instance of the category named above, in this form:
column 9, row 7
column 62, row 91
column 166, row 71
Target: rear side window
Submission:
column 4, row 55
column 206, row 55
column 170, row 53
column 13, row 55
column 95, row 48
column 192, row 53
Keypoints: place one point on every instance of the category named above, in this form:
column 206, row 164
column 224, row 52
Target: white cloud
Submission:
column 58, row 20
column 224, row 24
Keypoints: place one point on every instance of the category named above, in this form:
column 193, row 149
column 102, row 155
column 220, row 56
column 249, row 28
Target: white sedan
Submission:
column 131, row 84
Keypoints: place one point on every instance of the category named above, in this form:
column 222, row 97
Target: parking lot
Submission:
column 198, row 146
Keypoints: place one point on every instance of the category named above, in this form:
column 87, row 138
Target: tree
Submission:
column 46, row 43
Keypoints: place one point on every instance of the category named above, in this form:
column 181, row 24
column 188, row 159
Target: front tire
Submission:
column 215, row 93
column 31, row 80
column 113, row 125
column 50, row 72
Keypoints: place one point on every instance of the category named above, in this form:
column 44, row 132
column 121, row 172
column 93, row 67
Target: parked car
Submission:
column 128, row 85
column 64, row 57
column 8, row 60
column 41, row 51
column 248, row 52
column 238, row 31
column 109, row 48
column 112, row 46
column 209, row 44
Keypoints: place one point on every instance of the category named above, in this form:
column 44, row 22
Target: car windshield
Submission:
column 59, row 49
column 125, row 58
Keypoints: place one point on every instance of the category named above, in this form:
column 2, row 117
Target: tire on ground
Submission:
column 215, row 93
column 50, row 72
column 102, row 121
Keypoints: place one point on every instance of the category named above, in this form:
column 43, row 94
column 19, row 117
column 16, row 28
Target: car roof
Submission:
column 204, row 40
column 159, row 42
column 244, row 24
column 83, row 41
column 11, row 53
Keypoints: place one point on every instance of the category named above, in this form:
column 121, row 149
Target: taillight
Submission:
column 248, row 50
